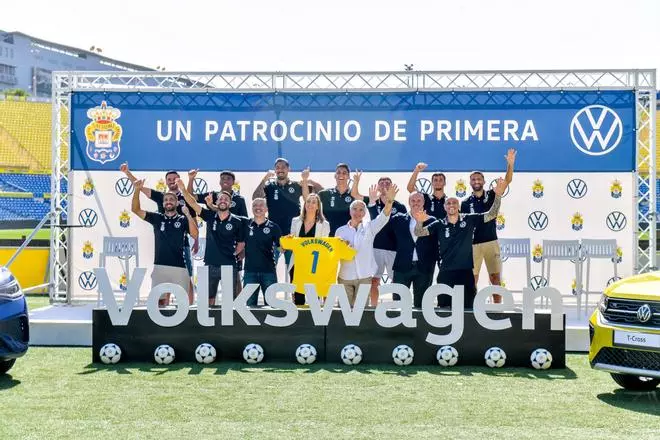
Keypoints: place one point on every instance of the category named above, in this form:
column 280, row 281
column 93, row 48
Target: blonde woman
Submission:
column 310, row 223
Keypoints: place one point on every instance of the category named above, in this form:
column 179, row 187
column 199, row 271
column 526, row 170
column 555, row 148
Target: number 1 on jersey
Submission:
column 316, row 261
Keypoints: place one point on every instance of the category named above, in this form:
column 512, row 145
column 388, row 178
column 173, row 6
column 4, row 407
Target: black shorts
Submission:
column 215, row 275
column 454, row 278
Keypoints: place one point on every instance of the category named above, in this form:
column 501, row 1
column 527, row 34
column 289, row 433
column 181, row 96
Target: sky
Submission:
column 352, row 35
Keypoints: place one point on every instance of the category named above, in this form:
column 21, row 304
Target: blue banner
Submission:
column 451, row 131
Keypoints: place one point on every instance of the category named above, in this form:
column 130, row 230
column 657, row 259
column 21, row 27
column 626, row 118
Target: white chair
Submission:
column 597, row 249
column 517, row 248
column 564, row 250
column 123, row 248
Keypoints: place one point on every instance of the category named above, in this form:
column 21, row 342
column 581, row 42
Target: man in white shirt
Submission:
column 360, row 236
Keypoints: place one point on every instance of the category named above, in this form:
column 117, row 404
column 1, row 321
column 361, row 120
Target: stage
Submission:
column 71, row 325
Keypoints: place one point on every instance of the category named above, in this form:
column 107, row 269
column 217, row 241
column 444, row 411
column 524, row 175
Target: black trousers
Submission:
column 454, row 278
column 419, row 278
column 298, row 298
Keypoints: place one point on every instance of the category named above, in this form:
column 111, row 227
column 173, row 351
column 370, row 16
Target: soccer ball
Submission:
column 541, row 359
column 110, row 354
column 164, row 354
column 402, row 355
column 447, row 356
column 351, row 354
column 253, row 353
column 205, row 353
column 306, row 354
column 495, row 357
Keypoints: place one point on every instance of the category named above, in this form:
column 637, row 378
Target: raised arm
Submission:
column 355, row 191
column 193, row 230
column 315, row 185
column 304, row 183
column 135, row 202
column 191, row 179
column 420, row 229
column 413, row 177
column 209, row 202
column 124, row 169
column 190, row 200
column 495, row 209
column 381, row 219
column 259, row 192
column 390, row 196
column 510, row 160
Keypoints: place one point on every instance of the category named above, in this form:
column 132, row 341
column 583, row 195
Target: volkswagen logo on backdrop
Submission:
column 200, row 186
column 577, row 188
column 616, row 221
column 538, row 281
column 124, row 187
column 537, row 220
column 87, row 280
column 596, row 130
column 644, row 313
column 88, row 217
column 424, row 186
column 493, row 183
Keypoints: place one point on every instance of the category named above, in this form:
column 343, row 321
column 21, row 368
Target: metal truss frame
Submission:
column 642, row 81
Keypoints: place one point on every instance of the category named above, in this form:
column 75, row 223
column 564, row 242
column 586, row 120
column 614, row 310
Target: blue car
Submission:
column 14, row 324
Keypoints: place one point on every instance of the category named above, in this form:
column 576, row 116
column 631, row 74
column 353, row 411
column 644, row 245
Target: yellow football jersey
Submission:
column 316, row 261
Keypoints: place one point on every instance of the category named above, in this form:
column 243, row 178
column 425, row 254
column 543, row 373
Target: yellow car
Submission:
column 624, row 332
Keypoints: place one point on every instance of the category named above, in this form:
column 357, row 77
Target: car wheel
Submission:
column 635, row 383
column 6, row 365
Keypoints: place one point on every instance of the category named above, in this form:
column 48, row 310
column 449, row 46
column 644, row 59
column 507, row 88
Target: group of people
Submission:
column 328, row 238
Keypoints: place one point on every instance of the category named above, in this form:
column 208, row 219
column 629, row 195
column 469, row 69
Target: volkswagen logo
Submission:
column 644, row 313
column 87, row 280
column 616, row 221
column 537, row 220
column 124, row 187
column 88, row 217
column 577, row 188
column 596, row 130
column 538, row 281
column 424, row 186
column 200, row 186
column 493, row 183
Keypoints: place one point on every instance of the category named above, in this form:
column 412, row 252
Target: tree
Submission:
column 16, row 92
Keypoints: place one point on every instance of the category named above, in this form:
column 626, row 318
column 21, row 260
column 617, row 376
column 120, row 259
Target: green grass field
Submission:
column 36, row 301
column 17, row 234
column 56, row 393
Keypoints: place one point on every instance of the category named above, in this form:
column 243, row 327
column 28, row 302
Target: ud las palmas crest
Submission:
column 103, row 133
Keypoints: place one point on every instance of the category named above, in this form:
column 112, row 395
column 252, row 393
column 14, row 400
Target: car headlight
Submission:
column 602, row 303
column 9, row 287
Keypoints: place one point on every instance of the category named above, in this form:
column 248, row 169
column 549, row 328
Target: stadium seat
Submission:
column 25, row 135
column 31, row 183
column 23, row 209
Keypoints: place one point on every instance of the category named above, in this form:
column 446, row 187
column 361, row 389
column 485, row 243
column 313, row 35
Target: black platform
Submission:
column 141, row 336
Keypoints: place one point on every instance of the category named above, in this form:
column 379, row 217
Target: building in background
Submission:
column 27, row 62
